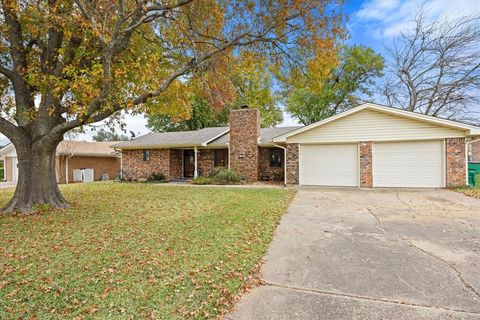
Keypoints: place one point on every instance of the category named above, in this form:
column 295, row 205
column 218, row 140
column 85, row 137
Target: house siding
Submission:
column 456, row 165
column 265, row 172
column 369, row 125
column 8, row 168
column 292, row 163
column 366, row 174
column 101, row 165
column 134, row 168
column 244, row 134
column 205, row 161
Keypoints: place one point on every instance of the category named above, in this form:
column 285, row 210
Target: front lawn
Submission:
column 135, row 251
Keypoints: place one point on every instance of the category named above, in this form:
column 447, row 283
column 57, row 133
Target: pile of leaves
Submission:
column 220, row 176
column 136, row 251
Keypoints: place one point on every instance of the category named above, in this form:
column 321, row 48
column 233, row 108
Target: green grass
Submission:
column 135, row 251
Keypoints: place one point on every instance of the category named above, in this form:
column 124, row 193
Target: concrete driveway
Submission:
column 371, row 254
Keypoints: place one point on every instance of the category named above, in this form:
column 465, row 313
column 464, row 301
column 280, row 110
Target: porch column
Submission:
column 195, row 171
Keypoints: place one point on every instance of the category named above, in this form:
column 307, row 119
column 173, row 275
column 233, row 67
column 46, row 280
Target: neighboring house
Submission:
column 367, row 146
column 76, row 161
column 474, row 151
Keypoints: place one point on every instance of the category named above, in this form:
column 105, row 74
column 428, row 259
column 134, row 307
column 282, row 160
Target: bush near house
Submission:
column 135, row 251
column 220, row 176
column 157, row 178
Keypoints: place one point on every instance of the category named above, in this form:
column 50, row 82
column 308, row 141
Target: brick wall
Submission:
column 292, row 163
column 136, row 169
column 176, row 169
column 475, row 155
column 366, row 176
column 205, row 161
column 456, row 164
column 100, row 165
column 244, row 133
column 265, row 171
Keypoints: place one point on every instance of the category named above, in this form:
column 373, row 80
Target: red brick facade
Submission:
column 475, row 151
column 244, row 134
column 100, row 165
column 456, row 164
column 265, row 171
column 205, row 162
column 165, row 161
column 292, row 163
column 366, row 175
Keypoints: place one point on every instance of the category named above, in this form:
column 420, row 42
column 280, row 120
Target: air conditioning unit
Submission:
column 83, row 175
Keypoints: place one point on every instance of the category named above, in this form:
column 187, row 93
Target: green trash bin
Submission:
column 473, row 172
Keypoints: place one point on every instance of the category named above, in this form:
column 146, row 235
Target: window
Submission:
column 276, row 157
column 146, row 155
column 220, row 158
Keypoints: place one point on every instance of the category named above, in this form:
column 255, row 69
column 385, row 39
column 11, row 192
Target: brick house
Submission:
column 367, row 146
column 73, row 160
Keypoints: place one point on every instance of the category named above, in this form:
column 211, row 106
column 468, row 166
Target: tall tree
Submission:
column 434, row 68
column 68, row 63
column 202, row 116
column 356, row 72
column 246, row 81
column 104, row 135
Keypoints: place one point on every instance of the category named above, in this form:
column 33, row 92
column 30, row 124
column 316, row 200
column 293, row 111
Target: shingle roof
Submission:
column 84, row 148
column 77, row 148
column 173, row 139
column 266, row 135
column 201, row 137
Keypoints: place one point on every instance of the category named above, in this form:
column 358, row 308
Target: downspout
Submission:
column 66, row 168
column 467, row 143
column 284, row 163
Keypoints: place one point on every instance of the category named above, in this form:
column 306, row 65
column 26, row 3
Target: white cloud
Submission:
column 385, row 18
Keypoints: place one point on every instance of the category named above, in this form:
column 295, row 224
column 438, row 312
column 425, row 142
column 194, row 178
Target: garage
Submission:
column 376, row 146
column 409, row 164
column 329, row 165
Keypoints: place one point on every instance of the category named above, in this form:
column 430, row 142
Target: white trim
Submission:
column 473, row 130
column 204, row 144
column 284, row 163
column 195, row 170
column 359, row 171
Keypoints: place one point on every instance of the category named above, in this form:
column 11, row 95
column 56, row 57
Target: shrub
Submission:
column 157, row 178
column 225, row 176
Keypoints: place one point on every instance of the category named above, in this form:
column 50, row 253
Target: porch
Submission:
column 192, row 162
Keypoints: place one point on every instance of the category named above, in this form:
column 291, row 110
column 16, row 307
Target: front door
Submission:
column 188, row 163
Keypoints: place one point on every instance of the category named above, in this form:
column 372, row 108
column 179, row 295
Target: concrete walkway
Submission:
column 371, row 254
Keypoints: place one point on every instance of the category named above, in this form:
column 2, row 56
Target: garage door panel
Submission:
column 408, row 164
column 329, row 165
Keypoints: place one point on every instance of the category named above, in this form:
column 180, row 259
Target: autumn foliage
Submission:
column 68, row 63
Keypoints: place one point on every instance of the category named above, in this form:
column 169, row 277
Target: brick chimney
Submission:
column 244, row 134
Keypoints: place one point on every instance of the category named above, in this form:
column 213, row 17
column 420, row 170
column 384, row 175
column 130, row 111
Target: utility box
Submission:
column 473, row 172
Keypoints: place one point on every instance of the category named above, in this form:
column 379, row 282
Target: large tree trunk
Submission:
column 37, row 187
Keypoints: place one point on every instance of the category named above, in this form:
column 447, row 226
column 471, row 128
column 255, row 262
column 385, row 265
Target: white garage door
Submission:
column 408, row 164
column 328, row 165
